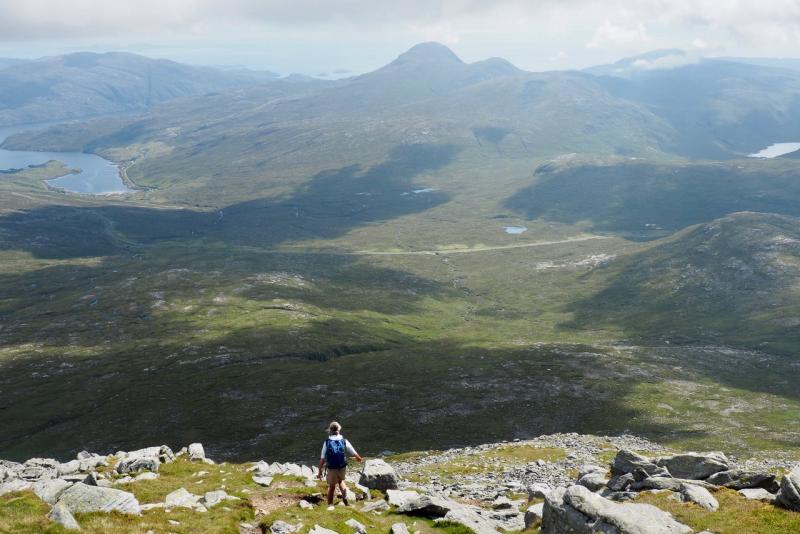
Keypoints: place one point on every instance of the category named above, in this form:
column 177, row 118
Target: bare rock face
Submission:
column 737, row 479
column 378, row 475
column 576, row 510
column 196, row 452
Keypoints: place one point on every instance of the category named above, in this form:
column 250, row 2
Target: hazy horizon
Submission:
column 316, row 38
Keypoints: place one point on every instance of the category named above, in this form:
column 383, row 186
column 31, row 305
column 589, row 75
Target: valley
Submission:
column 296, row 250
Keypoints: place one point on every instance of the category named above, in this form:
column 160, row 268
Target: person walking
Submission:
column 334, row 456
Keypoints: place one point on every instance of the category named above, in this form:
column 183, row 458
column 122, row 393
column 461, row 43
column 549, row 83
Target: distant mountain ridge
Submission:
column 87, row 84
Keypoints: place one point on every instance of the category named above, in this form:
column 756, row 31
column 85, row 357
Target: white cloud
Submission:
column 609, row 34
column 666, row 62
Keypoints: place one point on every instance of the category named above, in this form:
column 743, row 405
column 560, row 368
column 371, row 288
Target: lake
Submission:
column 775, row 150
column 97, row 177
column 515, row 229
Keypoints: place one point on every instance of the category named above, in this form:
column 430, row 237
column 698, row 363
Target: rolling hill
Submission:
column 732, row 280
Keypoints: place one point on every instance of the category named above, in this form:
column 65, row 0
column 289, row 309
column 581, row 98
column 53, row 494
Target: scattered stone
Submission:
column 427, row 505
column 533, row 514
column 362, row 493
column 399, row 528
column 151, row 506
column 471, row 518
column 213, row 498
column 576, row 510
column 60, row 514
column 502, row 503
column 757, row 494
column 305, row 505
column 378, row 475
column 145, row 476
column 789, row 495
column 196, row 452
column 700, row 496
column 400, row 497
column 357, row 527
column 173, row 522
column 375, row 506
column 282, row 527
column 81, row 498
column 262, row 481
column 695, row 466
column 321, row 530
column 181, row 498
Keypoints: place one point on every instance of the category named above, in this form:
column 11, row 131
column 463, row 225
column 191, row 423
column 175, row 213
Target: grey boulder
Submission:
column 400, row 497
column 627, row 461
column 399, row 528
column 533, row 514
column 695, row 466
column 321, row 530
column 593, row 480
column 196, row 452
column 576, row 510
column 700, row 496
column 427, row 505
column 757, row 494
column 358, row 528
column 736, row 479
column 136, row 464
column 789, row 495
column 60, row 514
column 83, row 498
column 15, row 485
column 378, row 475
column 50, row 490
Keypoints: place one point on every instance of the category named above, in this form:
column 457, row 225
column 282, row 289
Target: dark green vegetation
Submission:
column 298, row 252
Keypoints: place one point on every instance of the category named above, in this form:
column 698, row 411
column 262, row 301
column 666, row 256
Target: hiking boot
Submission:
column 344, row 499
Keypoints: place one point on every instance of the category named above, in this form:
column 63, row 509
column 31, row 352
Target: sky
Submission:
column 341, row 37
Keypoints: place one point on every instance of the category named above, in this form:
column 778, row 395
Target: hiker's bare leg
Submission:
column 343, row 490
column 331, row 491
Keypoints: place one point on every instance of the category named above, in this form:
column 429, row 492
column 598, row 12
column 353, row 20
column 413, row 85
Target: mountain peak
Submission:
column 428, row 53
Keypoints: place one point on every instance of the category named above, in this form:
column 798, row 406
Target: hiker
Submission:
column 334, row 456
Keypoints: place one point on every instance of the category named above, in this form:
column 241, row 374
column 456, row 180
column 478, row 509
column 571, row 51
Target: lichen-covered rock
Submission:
column 181, row 498
column 400, row 497
column 757, row 494
column 196, row 452
column 427, row 505
column 593, row 480
column 81, row 498
column 399, row 528
column 378, row 475
column 577, row 510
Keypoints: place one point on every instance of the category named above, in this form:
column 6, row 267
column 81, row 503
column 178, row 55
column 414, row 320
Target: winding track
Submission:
column 473, row 249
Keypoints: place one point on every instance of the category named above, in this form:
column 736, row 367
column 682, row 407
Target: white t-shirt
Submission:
column 350, row 450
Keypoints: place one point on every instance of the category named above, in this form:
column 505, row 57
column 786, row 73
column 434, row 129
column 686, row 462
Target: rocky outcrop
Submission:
column 576, row 510
column 378, row 475
column 738, row 479
column 628, row 462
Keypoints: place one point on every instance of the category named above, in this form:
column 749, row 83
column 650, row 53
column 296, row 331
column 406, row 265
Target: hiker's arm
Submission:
column 321, row 466
column 352, row 451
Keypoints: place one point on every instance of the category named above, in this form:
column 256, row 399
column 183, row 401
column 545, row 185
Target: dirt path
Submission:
column 474, row 249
